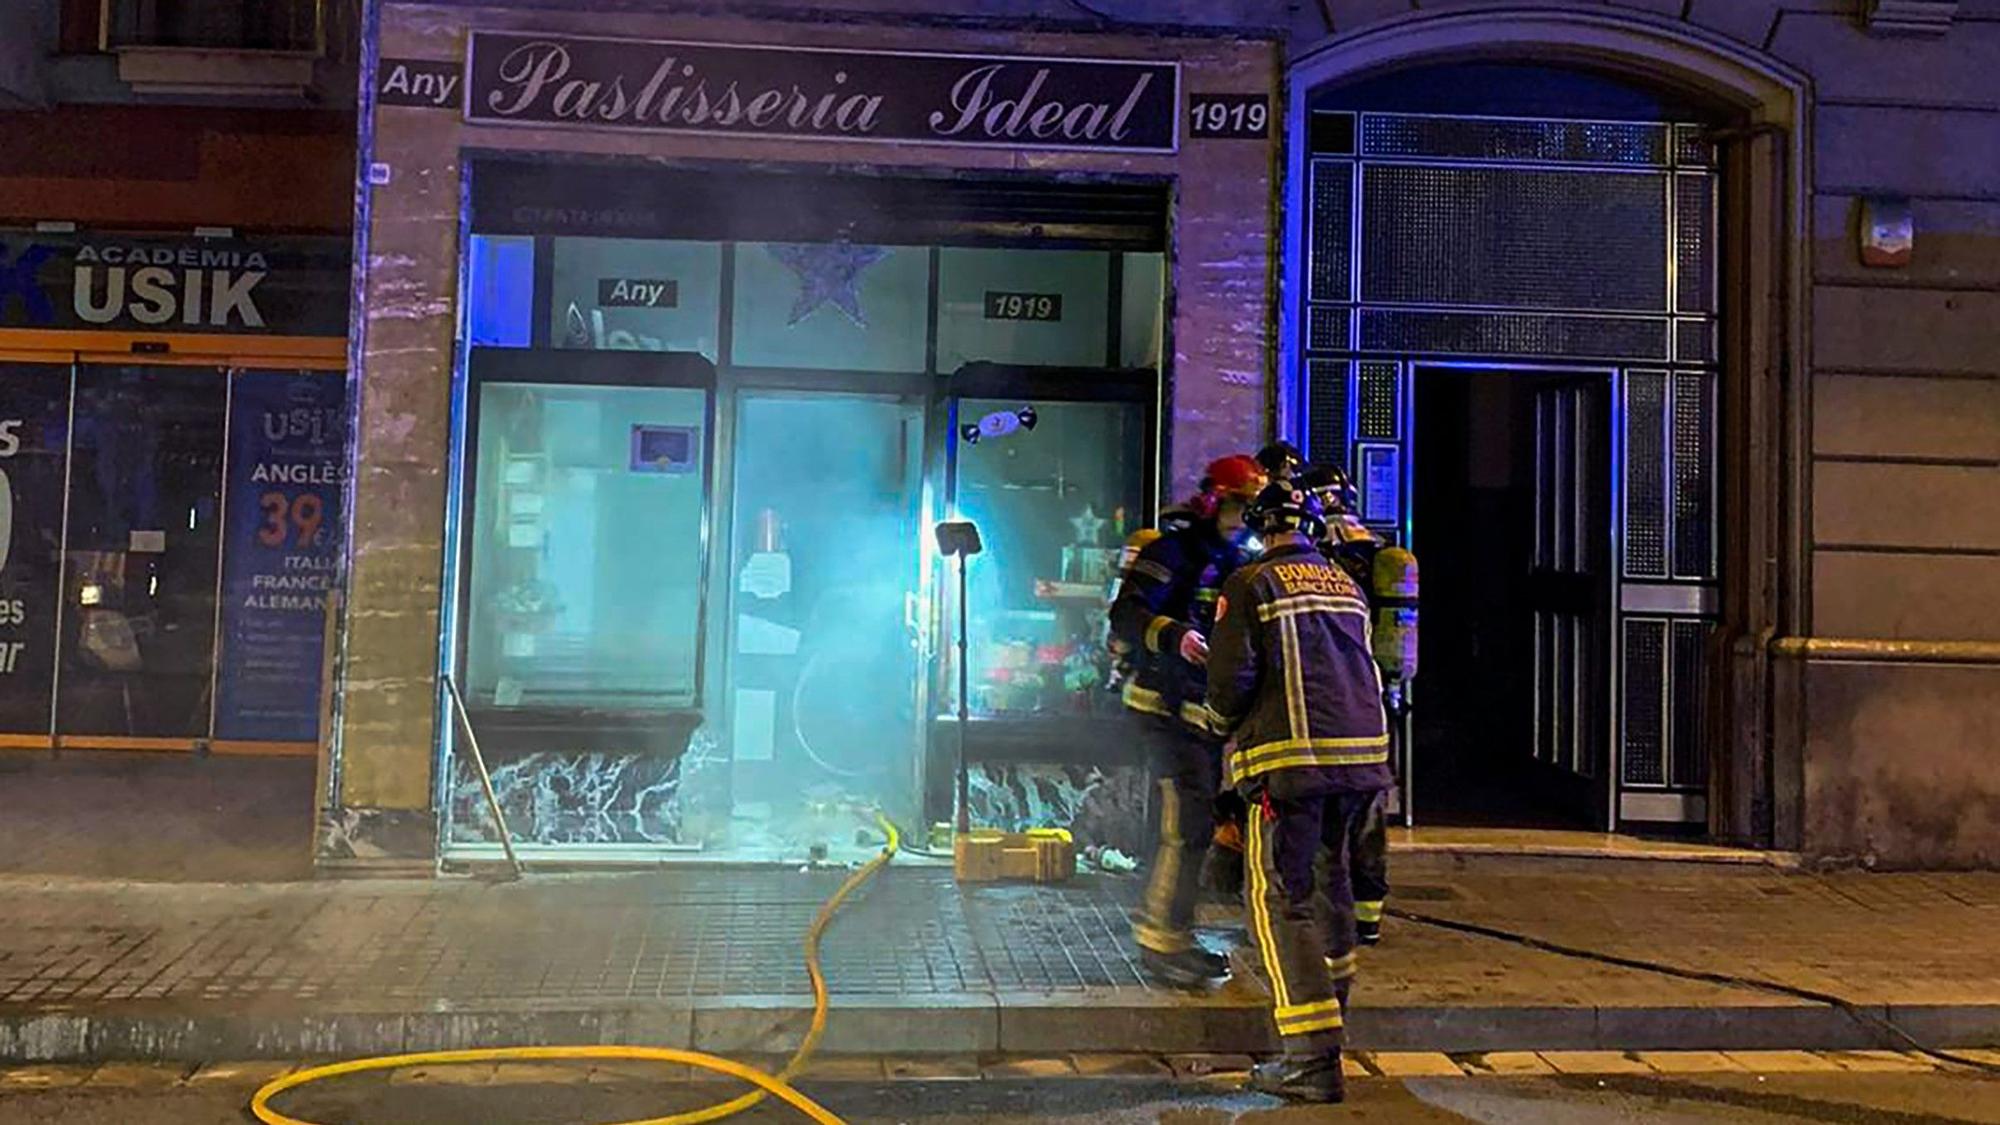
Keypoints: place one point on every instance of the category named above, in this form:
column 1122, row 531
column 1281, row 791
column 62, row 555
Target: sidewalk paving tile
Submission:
column 638, row 1070
column 1880, row 1062
column 1204, row 1066
column 1783, row 1062
column 1689, row 1062
column 47, row 1076
column 1029, row 1068
column 1414, row 1064
column 541, row 1073
column 1594, row 1062
column 136, row 1076
column 1101, row 1065
column 961, row 1068
column 247, row 1072
column 845, row 1068
column 443, row 1074
column 1510, row 1062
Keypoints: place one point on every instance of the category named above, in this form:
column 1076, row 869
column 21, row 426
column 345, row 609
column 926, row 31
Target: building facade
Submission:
column 1663, row 332
column 175, row 214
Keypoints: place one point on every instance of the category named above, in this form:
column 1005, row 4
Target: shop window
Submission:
column 1053, row 506
column 1142, row 293
column 33, row 437
column 831, row 307
column 500, row 291
column 1023, row 307
column 613, row 294
column 144, row 535
column 586, row 547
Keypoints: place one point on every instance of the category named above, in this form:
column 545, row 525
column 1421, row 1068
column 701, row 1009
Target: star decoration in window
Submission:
column 828, row 272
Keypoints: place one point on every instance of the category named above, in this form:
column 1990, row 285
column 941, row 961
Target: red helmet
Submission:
column 1239, row 476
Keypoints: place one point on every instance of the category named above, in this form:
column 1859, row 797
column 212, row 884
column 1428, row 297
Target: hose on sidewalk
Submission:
column 1853, row 1011
column 767, row 1085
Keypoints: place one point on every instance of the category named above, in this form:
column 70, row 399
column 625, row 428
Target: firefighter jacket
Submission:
column 1292, row 676
column 1169, row 589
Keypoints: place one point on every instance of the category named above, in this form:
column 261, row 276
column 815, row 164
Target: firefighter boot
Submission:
column 1193, row 968
column 1368, row 933
column 1302, row 1078
column 1222, row 867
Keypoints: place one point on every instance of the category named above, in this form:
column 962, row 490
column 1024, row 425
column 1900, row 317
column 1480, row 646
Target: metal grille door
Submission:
column 1570, row 593
column 1544, row 244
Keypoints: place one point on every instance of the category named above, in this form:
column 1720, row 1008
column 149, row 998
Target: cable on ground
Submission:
column 1853, row 1011
column 767, row 1085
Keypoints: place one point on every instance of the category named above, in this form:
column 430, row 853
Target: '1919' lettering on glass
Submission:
column 1023, row 306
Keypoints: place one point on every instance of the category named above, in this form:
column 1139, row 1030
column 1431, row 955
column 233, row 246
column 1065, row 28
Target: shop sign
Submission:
column 421, row 83
column 287, row 460
column 638, row 292
column 674, row 87
column 1239, row 117
column 33, row 425
column 166, row 283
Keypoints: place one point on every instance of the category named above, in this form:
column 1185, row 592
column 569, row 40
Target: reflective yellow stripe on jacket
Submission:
column 1256, row 761
column 1149, row 702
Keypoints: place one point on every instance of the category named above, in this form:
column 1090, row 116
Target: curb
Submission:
column 237, row 1078
column 958, row 1025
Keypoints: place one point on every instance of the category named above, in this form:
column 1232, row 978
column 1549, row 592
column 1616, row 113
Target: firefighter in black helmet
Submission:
column 1350, row 545
column 1292, row 679
column 1161, row 618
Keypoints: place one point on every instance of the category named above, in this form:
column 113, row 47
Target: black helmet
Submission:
column 1330, row 483
column 1284, row 506
column 1281, row 459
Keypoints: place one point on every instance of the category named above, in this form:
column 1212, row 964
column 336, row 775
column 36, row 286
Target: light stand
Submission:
column 960, row 539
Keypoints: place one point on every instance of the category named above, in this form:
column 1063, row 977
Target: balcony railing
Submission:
column 297, row 26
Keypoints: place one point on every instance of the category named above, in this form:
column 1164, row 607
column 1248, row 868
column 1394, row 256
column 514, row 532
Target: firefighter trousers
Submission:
column 1300, row 900
column 1370, row 860
column 1188, row 770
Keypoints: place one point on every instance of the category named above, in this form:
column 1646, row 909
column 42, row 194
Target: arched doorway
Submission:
column 1519, row 249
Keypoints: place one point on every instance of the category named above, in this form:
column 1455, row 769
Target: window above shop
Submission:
column 240, row 25
column 818, row 306
column 255, row 48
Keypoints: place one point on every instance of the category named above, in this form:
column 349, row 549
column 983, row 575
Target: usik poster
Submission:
column 287, row 463
column 34, row 414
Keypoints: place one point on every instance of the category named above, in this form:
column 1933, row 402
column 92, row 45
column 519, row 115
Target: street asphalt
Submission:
column 1933, row 1098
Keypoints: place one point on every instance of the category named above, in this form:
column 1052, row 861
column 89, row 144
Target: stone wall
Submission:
column 1219, row 258
column 1901, row 762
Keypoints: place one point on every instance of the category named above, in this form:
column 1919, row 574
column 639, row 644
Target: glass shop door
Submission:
column 826, row 630
column 1056, row 468
column 583, row 546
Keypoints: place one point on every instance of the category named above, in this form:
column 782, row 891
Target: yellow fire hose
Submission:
column 767, row 1085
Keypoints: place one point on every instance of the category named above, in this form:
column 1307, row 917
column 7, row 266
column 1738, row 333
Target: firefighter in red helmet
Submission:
column 1162, row 615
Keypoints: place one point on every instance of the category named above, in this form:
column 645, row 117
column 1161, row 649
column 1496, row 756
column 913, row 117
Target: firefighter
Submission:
column 1161, row 616
column 1292, row 679
column 1352, row 546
